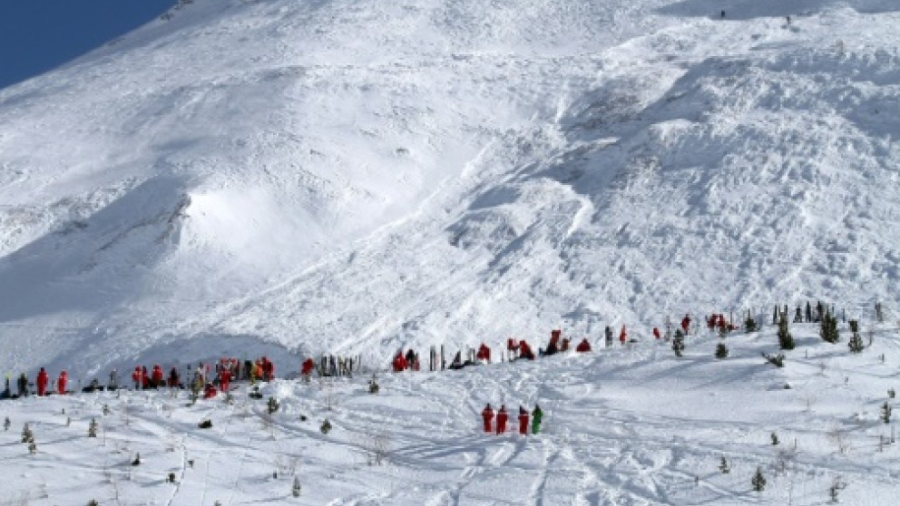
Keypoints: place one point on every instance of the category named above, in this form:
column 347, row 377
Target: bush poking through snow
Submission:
column 723, row 466
column 27, row 435
column 326, row 427
column 93, row 503
column 750, row 324
column 828, row 329
column 721, row 351
column 835, row 489
column 272, row 406
column 205, row 424
column 296, row 488
column 775, row 440
column 137, row 460
column 891, row 394
column 759, row 481
column 886, row 412
column 776, row 360
column 92, row 428
column 373, row 386
column 856, row 343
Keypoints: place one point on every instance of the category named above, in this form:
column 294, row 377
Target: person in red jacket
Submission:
column 502, row 417
column 623, row 335
column 137, row 378
column 174, row 380
column 487, row 415
column 307, row 368
column 484, row 353
column 62, row 382
column 210, row 391
column 584, row 346
column 224, row 379
column 145, row 378
column 400, row 362
column 525, row 350
column 656, row 333
column 686, row 324
column 157, row 376
column 523, row 421
column 42, row 381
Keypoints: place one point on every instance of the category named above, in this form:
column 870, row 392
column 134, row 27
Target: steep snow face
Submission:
column 357, row 176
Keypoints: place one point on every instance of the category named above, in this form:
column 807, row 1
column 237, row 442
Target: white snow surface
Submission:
column 353, row 176
column 629, row 425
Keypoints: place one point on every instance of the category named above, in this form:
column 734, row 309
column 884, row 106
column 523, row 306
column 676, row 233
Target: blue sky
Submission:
column 39, row 35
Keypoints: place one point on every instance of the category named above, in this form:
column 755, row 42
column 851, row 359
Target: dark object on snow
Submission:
column 137, row 460
column 94, row 386
column 205, row 424
column 723, row 14
column 170, row 478
column 255, row 394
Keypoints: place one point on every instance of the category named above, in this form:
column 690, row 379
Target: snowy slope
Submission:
column 355, row 176
column 623, row 426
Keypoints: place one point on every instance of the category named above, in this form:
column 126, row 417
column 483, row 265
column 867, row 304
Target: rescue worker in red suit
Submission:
column 308, row 367
column 584, row 346
column 399, row 362
column 487, row 415
column 523, row 421
column 484, row 353
column 566, row 343
column 157, row 376
column 502, row 417
column 42, row 381
column 656, row 333
column 145, row 377
column 268, row 369
column 525, row 350
column 174, row 380
column 62, row 382
column 210, row 391
column 686, row 324
column 137, row 378
column 623, row 335
column 224, row 379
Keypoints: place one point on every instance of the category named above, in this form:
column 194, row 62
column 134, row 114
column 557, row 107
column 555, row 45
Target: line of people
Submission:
column 502, row 418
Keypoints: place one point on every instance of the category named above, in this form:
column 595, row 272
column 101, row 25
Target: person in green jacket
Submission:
column 536, row 417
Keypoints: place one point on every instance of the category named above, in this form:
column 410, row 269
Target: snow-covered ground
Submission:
column 623, row 426
column 356, row 176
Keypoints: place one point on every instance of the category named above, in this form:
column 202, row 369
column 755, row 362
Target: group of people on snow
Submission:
column 502, row 418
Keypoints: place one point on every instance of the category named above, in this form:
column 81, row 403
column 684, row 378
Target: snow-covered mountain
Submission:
column 357, row 175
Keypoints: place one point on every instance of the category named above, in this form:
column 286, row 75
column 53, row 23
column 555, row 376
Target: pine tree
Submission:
column 326, row 427
column 272, row 405
column 296, row 489
column 856, row 343
column 137, row 460
column 93, row 503
column 828, row 328
column 678, row 343
column 32, row 447
column 27, row 435
column 775, row 315
column 891, row 394
column 775, row 440
column 886, row 412
column 92, row 428
column 758, row 481
column 723, row 466
column 721, row 351
column 785, row 339
column 373, row 385
column 750, row 324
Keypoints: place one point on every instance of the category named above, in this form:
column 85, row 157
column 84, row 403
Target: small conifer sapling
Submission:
column 721, row 351
column 759, row 481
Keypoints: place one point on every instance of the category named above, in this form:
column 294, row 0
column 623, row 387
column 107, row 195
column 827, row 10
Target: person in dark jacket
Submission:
column 22, row 385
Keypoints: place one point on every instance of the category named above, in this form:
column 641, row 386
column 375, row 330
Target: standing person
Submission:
column 113, row 380
column 137, row 378
column 609, row 336
column 224, row 380
column 487, row 415
column 23, row 385
column 157, row 376
column 7, row 392
column 686, row 324
column 145, row 378
column 502, row 417
column 62, row 382
column 307, row 368
column 623, row 335
column 536, row 417
column 523, row 421
column 484, row 353
column 42, row 381
column 173, row 378
column 656, row 333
